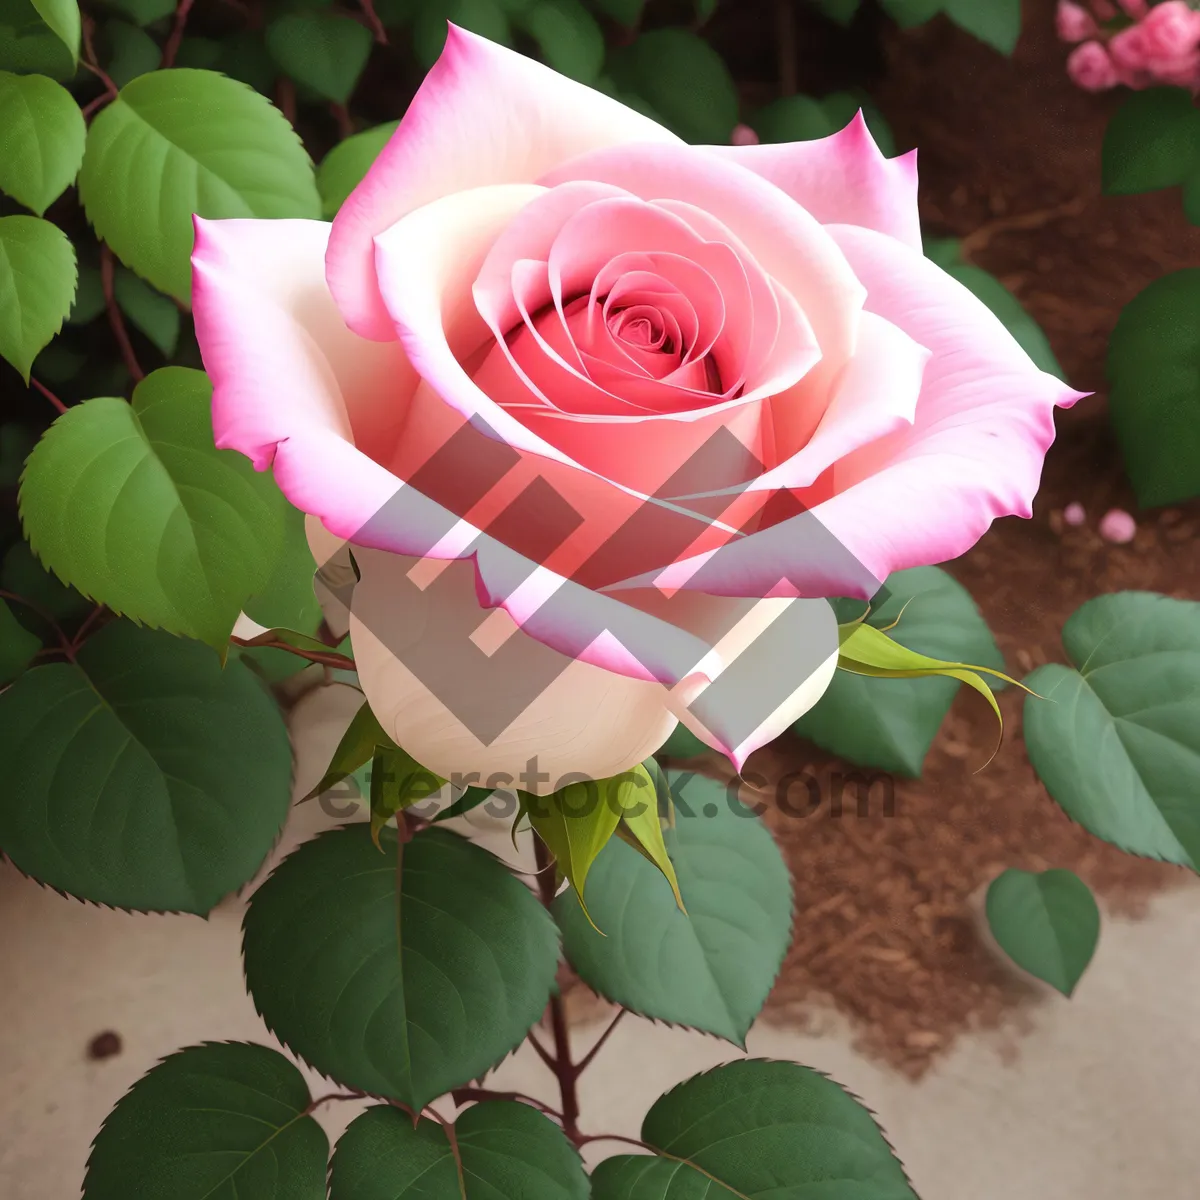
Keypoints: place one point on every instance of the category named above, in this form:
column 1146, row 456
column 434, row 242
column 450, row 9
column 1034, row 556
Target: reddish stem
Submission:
column 583, row 1063
column 285, row 98
column 376, row 25
column 345, row 123
column 171, row 49
column 92, row 63
column 88, row 622
column 64, row 643
column 41, row 387
column 564, row 1070
column 472, row 1094
column 332, row 1096
column 338, row 661
column 107, row 277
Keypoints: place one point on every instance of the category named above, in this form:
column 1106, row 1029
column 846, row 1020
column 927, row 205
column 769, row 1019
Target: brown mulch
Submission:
column 887, row 927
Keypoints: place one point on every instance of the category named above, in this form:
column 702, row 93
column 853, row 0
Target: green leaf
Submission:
column 16, row 441
column 134, row 52
column 62, row 18
column 27, row 46
column 756, row 1129
column 149, row 311
column 908, row 13
column 471, row 798
column 343, row 168
column 568, row 36
column 505, row 1149
column 684, row 79
column 1116, row 741
column 484, row 17
column 17, row 645
column 577, row 821
column 1048, row 924
column 133, row 505
column 712, row 967
column 398, row 782
column 288, row 600
column 840, row 11
column 58, row 364
column 624, row 12
column 144, row 775
column 143, row 12
column 1152, row 142
column 89, row 297
column 357, row 747
column 44, row 133
column 641, row 826
column 37, row 283
column 1154, row 401
column 403, row 976
column 244, row 56
column 891, row 723
column 995, row 22
column 222, row 1121
column 180, row 142
column 23, row 575
column 324, row 51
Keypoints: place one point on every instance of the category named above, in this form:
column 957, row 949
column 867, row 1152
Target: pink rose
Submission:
column 1074, row 23
column 657, row 399
column 1091, row 68
column 1170, row 32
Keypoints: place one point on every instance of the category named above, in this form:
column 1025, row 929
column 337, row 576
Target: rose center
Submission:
column 642, row 327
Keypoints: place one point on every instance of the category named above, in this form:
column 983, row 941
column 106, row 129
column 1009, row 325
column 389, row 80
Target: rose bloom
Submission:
column 1073, row 22
column 1090, row 67
column 612, row 411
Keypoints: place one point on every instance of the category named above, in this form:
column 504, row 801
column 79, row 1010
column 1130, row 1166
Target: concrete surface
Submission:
column 1099, row 1103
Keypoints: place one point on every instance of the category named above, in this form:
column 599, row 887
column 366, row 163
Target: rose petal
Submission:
column 483, row 115
column 842, row 179
column 292, row 386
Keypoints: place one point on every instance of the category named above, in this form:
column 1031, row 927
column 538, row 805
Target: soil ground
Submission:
column 887, row 928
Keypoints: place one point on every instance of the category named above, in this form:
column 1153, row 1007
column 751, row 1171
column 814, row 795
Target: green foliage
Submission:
column 143, row 775
column 1116, row 740
column 1048, row 924
column 37, row 283
column 180, row 142
column 63, row 20
column 684, row 79
column 1152, row 142
column 17, row 645
column 133, row 505
column 683, row 743
column 624, row 12
column 287, row 599
column 89, row 297
column 484, row 17
column 324, row 51
column 149, row 311
column 804, row 118
column 23, row 575
column 28, row 45
column 403, row 974
column 398, row 782
column 504, row 1148
column 841, row 11
column 343, row 168
column 41, row 139
column 224, row 1121
column 363, row 736
column 891, row 723
column 756, row 1128
column 568, row 36
column 15, row 444
column 1154, row 401
column 1025, row 330
column 711, row 967
column 996, row 22
column 134, row 52
column 143, row 12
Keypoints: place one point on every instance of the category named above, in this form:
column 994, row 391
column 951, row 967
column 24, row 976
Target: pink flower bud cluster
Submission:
column 1131, row 42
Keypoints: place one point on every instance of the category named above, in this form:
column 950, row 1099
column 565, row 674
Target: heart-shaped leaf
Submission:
column 403, row 974
column 756, row 1129
column 1116, row 740
column 503, row 1149
column 133, row 505
column 712, row 967
column 37, row 284
column 143, row 775
column 224, row 1121
column 1048, row 924
column 44, row 132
